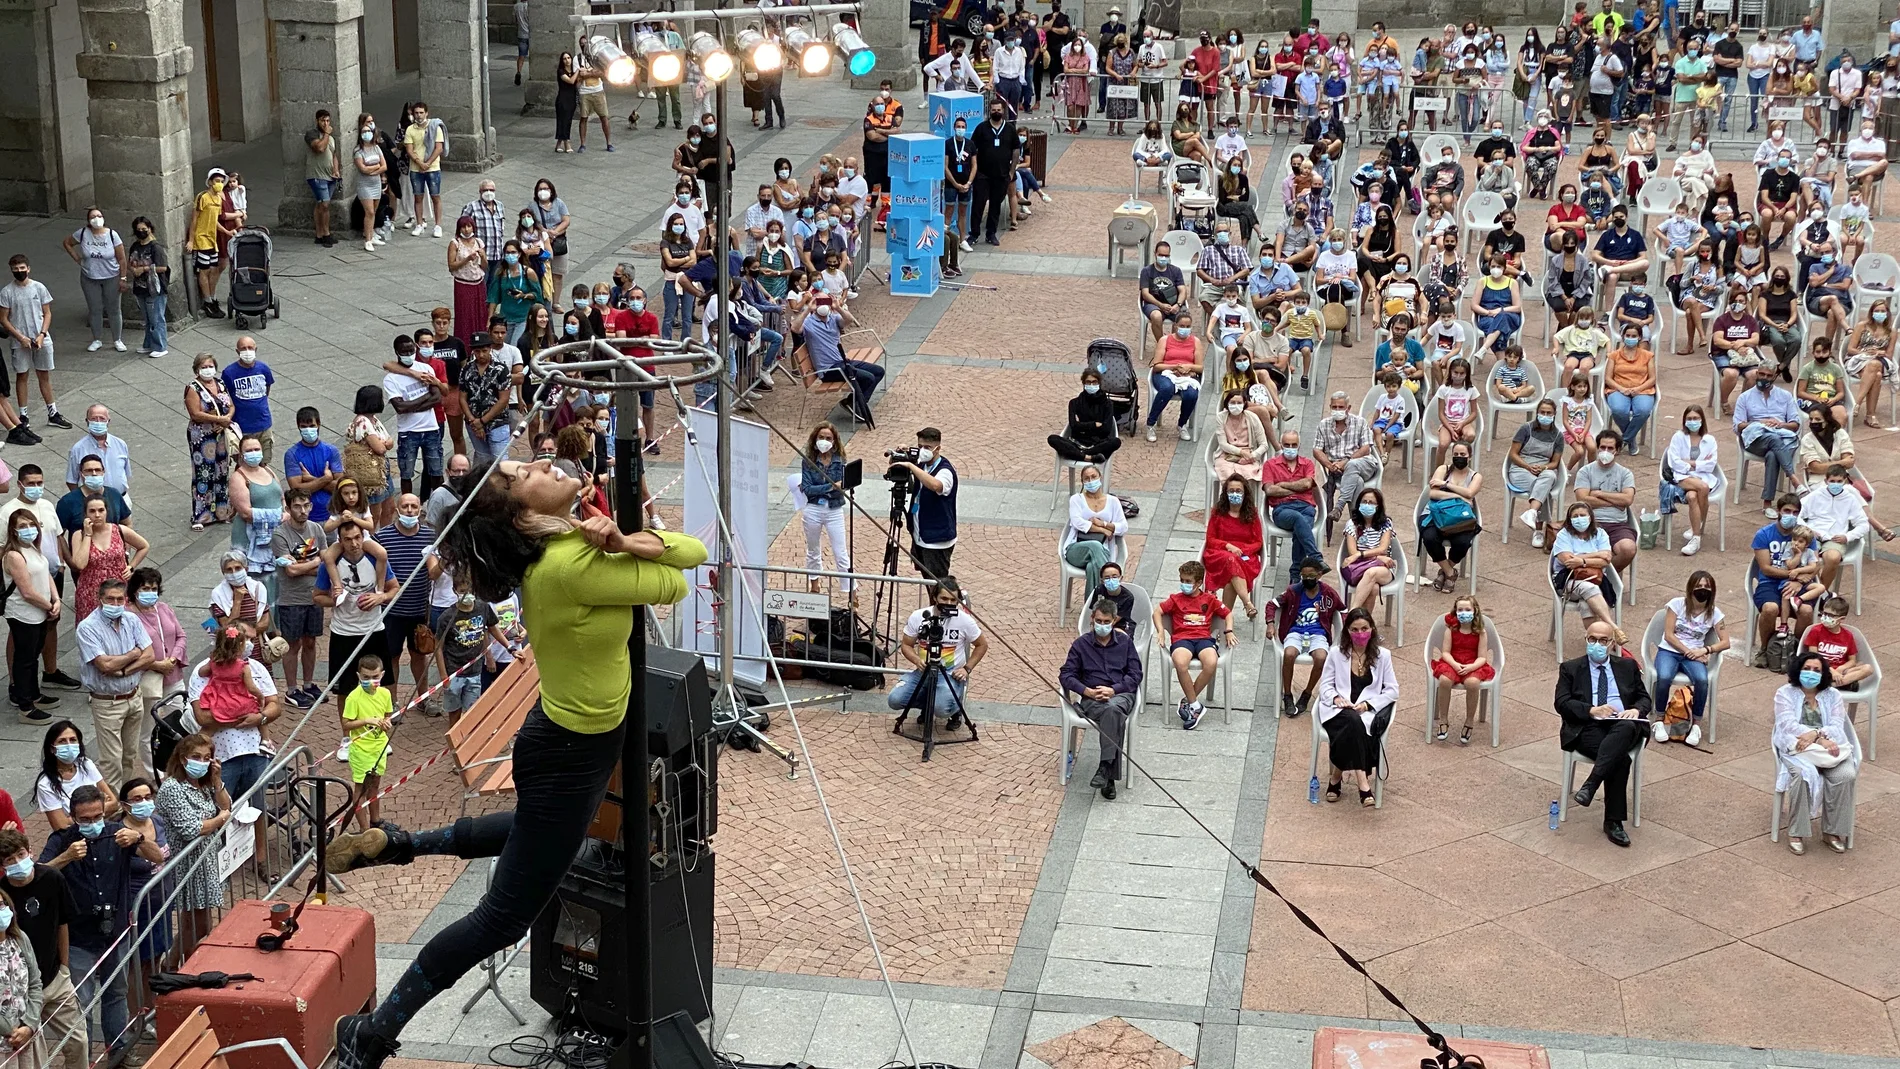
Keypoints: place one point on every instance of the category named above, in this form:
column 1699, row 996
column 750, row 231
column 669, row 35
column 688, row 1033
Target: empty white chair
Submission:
column 1392, row 594
column 1867, row 693
column 1068, row 574
column 1272, row 536
column 1775, row 804
column 1654, row 201
column 1470, row 563
column 1653, row 641
column 1749, row 575
column 1560, row 604
column 1490, row 692
column 1854, row 557
column 1512, row 496
column 1876, row 275
column 1572, row 759
column 1184, row 248
column 1479, row 217
column 1493, row 407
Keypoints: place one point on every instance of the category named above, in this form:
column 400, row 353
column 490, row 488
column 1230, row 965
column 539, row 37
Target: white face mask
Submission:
column 1235, row 408
column 824, row 445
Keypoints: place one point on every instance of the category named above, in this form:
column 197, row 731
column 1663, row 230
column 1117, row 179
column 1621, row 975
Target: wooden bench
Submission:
column 194, row 1045
column 483, row 740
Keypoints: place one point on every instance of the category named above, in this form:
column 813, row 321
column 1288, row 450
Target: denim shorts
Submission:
column 321, row 188
column 427, row 443
column 462, row 692
column 296, row 622
column 521, row 47
column 1299, row 344
column 429, row 182
column 242, row 773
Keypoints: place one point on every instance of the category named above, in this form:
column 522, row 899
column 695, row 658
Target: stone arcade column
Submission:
column 135, row 65
column 454, row 79
column 550, row 34
column 885, row 26
column 29, row 164
column 317, row 67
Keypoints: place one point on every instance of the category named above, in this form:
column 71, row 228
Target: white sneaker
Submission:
column 157, row 354
column 1185, row 436
column 369, row 246
column 1026, row 212
column 416, row 231
column 966, row 246
column 1659, row 731
column 1151, row 432
column 1046, row 198
column 1769, row 513
column 1694, row 737
column 95, row 346
column 1691, row 544
column 118, row 346
column 438, row 231
column 1529, row 519
column 1537, row 539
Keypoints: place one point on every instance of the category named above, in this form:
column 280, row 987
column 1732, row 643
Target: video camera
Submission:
column 898, row 457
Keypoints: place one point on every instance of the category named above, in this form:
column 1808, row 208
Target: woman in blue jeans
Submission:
column 1694, row 634
column 151, row 273
column 580, row 584
column 1177, row 373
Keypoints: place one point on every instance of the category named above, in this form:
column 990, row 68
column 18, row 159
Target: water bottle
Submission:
column 1553, row 815
column 1312, row 790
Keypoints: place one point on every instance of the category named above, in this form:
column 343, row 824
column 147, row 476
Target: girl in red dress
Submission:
column 1234, row 541
column 1461, row 662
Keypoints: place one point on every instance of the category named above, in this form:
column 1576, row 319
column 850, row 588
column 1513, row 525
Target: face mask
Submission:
column 1234, row 496
column 1837, row 489
column 1337, row 246
column 1339, row 415
column 511, row 259
column 1235, row 408
column 1360, row 638
column 1184, row 332
column 1221, row 238
column 1161, row 260
column 1367, row 508
column 1112, row 584
column 1310, row 582
column 1695, row 146
column 637, row 304
column 1497, row 131
column 1187, row 588
column 1810, row 678
column 1764, row 385
column 370, row 685
column 94, row 828
column 571, row 329
column 1497, row 272
column 1460, row 462
column 1693, row 426
column 962, row 129
column 1579, row 523
column 96, row 427
column 29, row 535
column 925, row 454
column 1104, row 630
column 148, row 598
column 407, row 522
column 1788, row 520
column 1830, row 622
column 253, row 457
column 21, row 869
column 1289, row 455
column 1464, row 616
column 1598, row 651
column 693, row 140
column 1569, row 198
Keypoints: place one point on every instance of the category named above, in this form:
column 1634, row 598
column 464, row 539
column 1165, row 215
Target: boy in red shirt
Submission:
column 1836, row 645
column 1185, row 621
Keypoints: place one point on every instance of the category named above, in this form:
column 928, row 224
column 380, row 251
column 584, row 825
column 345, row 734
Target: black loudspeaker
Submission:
column 679, row 700
column 577, row 949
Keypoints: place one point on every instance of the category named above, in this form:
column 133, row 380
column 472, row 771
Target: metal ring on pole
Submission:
column 567, row 363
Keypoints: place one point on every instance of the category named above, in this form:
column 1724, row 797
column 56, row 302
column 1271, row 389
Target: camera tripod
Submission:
column 924, row 701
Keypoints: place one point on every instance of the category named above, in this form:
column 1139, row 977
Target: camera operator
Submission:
column 932, row 518
column 962, row 645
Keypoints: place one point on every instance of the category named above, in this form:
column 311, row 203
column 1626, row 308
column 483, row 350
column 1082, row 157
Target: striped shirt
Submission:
column 405, row 555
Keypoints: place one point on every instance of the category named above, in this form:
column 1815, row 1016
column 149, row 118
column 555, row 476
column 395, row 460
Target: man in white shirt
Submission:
column 952, row 71
column 1008, row 70
column 1151, row 70
column 1866, row 159
column 756, row 218
column 1759, row 62
column 1834, row 512
column 417, row 430
column 854, row 193
column 1843, row 90
column 1231, row 143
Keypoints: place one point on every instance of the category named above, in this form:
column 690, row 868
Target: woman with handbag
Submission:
column 1579, row 557
column 1357, row 694
column 1369, row 565
column 1814, row 754
column 209, row 425
column 1095, row 521
column 1446, row 529
column 551, row 216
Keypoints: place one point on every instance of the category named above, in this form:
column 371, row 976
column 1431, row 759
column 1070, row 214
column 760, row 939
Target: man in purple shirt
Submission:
column 1104, row 667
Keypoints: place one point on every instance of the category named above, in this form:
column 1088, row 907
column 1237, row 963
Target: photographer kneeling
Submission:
column 932, row 518
column 957, row 639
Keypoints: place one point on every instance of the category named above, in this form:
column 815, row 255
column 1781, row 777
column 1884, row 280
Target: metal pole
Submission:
column 635, row 831
column 722, row 247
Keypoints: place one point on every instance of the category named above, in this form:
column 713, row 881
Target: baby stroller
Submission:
column 251, row 294
column 1110, row 360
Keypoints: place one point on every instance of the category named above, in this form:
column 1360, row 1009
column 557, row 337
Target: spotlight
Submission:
column 664, row 65
column 766, row 54
column 814, row 55
column 858, row 57
column 611, row 57
column 714, row 61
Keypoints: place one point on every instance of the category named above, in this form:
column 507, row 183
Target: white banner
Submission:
column 751, row 465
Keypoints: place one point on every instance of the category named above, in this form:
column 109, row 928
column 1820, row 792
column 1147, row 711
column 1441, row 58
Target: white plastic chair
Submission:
column 1184, row 249
column 1409, row 440
column 1072, row 467
column 1652, row 642
column 1493, row 407
column 1490, row 692
column 1162, row 174
column 1068, row 574
column 1868, row 693
column 1272, row 535
column 1559, row 605
column 1220, row 679
column 1572, row 759
column 1749, row 575
column 1392, row 593
column 1141, row 611
column 1775, row 803
column 1876, row 275
column 1378, row 777
column 1418, row 538
column 1718, row 502
column 1478, row 217
column 1855, row 556
column 1075, row 726
column 1655, row 201
column 1429, row 436
column 1436, row 144
column 1513, row 496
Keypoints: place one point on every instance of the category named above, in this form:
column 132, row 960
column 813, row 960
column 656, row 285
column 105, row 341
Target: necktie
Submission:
column 1603, row 684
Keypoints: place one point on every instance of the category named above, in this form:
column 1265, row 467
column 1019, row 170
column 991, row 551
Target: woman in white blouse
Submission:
column 1095, row 521
column 1814, row 754
column 1691, row 459
column 1357, row 693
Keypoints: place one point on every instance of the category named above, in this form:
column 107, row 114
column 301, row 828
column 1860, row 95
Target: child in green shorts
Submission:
column 366, row 720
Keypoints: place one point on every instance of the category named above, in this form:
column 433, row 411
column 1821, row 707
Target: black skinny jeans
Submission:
column 1439, row 546
column 560, row 779
column 23, row 672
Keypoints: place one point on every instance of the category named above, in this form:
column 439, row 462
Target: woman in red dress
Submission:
column 1461, row 662
column 1234, row 541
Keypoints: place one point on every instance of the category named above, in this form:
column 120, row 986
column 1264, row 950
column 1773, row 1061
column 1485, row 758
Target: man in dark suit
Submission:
column 1605, row 709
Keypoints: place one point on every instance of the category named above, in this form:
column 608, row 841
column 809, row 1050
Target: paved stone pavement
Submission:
column 1029, row 926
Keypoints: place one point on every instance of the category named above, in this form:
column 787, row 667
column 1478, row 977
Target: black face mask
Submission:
column 995, row 116
column 1703, row 594
column 1310, row 582
column 19, row 274
column 1460, row 462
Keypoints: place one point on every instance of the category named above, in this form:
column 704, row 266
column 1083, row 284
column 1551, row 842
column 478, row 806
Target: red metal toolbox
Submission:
column 327, row 970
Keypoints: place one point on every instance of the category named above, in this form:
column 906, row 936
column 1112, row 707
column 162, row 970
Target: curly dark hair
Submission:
column 488, row 545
